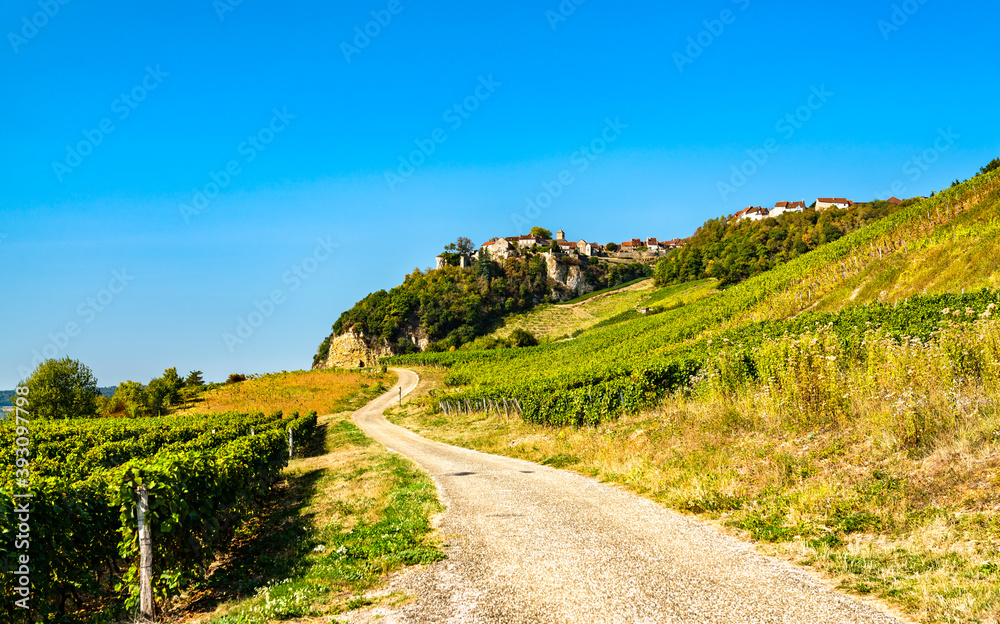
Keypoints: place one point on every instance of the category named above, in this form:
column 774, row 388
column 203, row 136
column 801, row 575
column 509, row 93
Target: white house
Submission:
column 823, row 203
column 781, row 208
column 754, row 213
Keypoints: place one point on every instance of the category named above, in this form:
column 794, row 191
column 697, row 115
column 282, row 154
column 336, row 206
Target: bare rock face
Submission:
column 417, row 336
column 355, row 350
column 569, row 275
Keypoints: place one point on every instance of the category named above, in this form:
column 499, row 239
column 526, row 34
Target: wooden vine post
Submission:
column 291, row 443
column 145, row 557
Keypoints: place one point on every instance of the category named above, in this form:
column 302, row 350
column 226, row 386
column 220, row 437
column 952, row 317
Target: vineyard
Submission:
column 201, row 474
column 626, row 366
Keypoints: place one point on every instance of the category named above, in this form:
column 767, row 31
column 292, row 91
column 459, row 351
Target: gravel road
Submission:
column 529, row 543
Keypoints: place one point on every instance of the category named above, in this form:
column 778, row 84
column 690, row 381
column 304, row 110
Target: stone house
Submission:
column 499, row 248
column 822, row 203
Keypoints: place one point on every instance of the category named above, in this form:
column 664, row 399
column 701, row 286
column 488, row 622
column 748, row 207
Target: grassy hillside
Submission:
column 841, row 410
column 559, row 321
column 628, row 364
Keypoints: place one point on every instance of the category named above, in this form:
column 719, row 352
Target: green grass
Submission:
column 347, row 515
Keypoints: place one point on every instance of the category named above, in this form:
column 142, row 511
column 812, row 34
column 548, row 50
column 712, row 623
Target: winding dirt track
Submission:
column 529, row 543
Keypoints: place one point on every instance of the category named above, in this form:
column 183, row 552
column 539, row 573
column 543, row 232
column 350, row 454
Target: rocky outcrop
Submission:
column 355, row 349
column 417, row 336
column 569, row 275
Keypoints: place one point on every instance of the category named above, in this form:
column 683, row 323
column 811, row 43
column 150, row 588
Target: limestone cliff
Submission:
column 351, row 350
column 569, row 275
column 355, row 349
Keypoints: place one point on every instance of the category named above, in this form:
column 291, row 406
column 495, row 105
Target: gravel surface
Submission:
column 529, row 543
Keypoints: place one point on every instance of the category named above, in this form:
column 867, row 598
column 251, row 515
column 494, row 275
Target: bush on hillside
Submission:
column 523, row 338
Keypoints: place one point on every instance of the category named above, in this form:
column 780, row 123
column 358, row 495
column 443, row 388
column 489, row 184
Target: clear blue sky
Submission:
column 115, row 115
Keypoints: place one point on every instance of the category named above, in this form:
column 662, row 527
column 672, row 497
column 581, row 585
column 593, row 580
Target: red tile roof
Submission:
column 835, row 200
column 790, row 205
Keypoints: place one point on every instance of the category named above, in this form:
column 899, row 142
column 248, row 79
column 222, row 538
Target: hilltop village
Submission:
column 501, row 248
column 512, row 246
column 443, row 308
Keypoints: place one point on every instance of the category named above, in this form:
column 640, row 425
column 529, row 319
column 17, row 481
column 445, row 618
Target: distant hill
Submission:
column 7, row 396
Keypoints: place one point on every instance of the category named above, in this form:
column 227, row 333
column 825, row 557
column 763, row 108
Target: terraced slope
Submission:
column 558, row 321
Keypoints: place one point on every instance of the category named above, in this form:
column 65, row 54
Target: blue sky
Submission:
column 119, row 120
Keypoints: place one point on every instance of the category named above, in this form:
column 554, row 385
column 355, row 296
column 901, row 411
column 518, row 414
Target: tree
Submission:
column 194, row 379
column 236, row 378
column 483, row 266
column 541, row 232
column 158, row 396
column 463, row 246
column 132, row 397
column 612, row 247
column 554, row 247
column 992, row 165
column 62, row 389
column 174, row 383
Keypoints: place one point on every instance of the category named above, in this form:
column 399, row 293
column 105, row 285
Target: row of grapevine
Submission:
column 201, row 481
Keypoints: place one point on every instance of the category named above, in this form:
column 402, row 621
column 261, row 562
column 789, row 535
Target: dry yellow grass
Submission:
column 916, row 526
column 323, row 391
